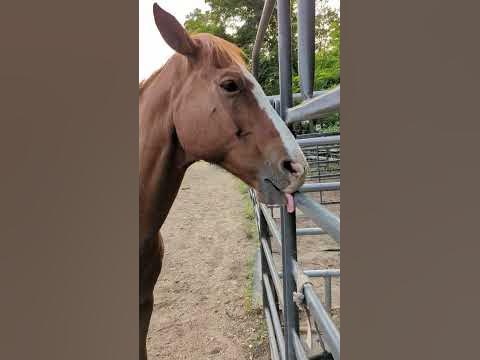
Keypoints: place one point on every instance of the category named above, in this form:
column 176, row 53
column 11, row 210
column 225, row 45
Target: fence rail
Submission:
column 315, row 108
column 285, row 290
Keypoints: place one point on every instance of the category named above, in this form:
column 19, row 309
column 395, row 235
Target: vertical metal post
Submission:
column 289, row 253
column 275, row 343
column 267, row 11
column 263, row 260
column 289, row 241
column 285, row 55
column 328, row 294
column 306, row 46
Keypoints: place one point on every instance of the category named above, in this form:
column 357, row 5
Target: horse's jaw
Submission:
column 268, row 193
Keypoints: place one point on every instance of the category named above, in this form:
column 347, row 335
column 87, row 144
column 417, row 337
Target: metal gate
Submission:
column 286, row 291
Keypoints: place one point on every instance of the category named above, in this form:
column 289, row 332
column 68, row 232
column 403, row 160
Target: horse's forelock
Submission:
column 221, row 51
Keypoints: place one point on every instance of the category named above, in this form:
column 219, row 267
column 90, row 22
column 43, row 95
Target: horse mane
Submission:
column 221, row 52
column 146, row 82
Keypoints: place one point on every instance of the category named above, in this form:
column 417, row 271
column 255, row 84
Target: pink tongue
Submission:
column 290, row 203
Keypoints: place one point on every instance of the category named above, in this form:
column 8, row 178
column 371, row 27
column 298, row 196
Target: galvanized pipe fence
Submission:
column 285, row 291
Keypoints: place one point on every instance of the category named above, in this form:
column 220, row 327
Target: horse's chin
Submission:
column 271, row 196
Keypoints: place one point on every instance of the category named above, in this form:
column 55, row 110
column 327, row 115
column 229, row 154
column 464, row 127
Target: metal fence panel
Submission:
column 287, row 344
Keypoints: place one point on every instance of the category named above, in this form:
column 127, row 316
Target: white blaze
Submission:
column 293, row 150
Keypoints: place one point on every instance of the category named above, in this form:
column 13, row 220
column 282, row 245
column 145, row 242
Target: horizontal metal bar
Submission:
column 323, row 148
column 316, row 159
column 329, row 332
column 310, row 231
column 315, row 134
column 297, row 96
column 326, row 186
column 322, row 152
column 297, row 344
column 273, row 272
column 324, row 172
column 321, row 176
column 267, row 11
column 277, row 326
column 272, row 225
column 316, row 107
column 322, row 159
column 331, row 165
column 319, row 273
column 323, row 273
column 271, row 334
column 319, row 214
column 318, row 141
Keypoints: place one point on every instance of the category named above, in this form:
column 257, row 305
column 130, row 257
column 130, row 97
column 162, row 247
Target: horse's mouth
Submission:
column 273, row 184
column 271, row 194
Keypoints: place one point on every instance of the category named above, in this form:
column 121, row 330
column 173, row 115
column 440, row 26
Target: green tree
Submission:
column 206, row 22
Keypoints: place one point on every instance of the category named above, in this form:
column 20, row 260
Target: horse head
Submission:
column 222, row 115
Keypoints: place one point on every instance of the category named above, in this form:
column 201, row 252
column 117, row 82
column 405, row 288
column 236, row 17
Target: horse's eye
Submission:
column 230, row 86
column 241, row 133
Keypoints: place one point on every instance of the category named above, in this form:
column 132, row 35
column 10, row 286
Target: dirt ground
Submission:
column 200, row 309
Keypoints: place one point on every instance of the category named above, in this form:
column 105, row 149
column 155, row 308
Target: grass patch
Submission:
column 259, row 339
column 250, row 229
column 248, row 294
column 248, row 213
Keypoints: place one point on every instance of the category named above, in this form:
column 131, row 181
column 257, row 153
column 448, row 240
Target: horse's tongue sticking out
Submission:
column 290, row 203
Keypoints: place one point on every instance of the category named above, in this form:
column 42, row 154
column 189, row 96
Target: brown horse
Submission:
column 203, row 104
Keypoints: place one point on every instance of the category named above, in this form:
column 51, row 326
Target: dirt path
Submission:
column 200, row 310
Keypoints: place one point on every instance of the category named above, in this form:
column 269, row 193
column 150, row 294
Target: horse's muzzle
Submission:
column 285, row 177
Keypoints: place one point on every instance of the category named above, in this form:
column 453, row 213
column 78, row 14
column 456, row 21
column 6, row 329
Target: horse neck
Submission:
column 162, row 160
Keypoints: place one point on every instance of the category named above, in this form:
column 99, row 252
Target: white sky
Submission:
column 153, row 51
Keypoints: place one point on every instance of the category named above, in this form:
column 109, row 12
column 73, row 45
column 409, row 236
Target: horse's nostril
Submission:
column 292, row 168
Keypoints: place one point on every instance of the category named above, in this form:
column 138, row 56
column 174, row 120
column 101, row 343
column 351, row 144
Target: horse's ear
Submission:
column 173, row 32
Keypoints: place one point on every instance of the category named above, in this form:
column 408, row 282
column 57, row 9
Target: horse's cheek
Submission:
column 185, row 135
column 191, row 138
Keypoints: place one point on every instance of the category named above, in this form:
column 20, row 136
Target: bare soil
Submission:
column 202, row 302
column 201, row 309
